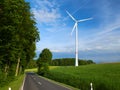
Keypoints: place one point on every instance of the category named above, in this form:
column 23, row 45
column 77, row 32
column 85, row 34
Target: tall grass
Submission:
column 103, row 76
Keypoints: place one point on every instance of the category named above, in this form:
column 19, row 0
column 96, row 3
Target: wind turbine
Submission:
column 75, row 27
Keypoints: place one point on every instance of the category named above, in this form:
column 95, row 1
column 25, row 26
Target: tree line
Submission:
column 70, row 62
column 60, row 62
column 18, row 36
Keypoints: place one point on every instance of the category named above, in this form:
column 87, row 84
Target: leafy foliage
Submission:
column 32, row 64
column 18, row 35
column 46, row 56
column 43, row 61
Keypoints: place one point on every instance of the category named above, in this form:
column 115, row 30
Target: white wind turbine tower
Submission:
column 75, row 27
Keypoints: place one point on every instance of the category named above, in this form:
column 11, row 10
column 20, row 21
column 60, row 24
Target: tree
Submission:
column 90, row 62
column 32, row 64
column 43, row 61
column 18, row 35
column 46, row 56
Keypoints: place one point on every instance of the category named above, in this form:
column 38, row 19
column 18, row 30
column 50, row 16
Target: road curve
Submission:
column 33, row 82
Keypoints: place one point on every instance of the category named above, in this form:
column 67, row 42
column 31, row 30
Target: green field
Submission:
column 103, row 76
column 31, row 70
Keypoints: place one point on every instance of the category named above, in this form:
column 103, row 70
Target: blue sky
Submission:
column 99, row 38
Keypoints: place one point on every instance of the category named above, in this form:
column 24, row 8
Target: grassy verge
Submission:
column 15, row 85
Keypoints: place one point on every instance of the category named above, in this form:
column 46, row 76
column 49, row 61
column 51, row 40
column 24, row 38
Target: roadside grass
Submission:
column 15, row 85
column 103, row 76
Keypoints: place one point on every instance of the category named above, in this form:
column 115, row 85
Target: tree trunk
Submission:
column 20, row 69
column 6, row 70
column 17, row 67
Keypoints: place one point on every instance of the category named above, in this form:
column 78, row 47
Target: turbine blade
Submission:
column 84, row 19
column 71, row 16
column 73, row 28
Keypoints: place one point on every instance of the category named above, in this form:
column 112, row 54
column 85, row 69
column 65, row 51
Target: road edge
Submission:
column 21, row 88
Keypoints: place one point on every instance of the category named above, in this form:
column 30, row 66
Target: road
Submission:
column 33, row 82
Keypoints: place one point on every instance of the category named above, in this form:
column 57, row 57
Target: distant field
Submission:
column 103, row 76
column 35, row 69
column 31, row 70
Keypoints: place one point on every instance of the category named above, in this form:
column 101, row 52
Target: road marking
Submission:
column 39, row 83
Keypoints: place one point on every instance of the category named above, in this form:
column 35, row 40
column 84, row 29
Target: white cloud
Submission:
column 107, row 41
column 44, row 16
column 46, row 11
column 44, row 4
column 110, row 27
column 65, row 49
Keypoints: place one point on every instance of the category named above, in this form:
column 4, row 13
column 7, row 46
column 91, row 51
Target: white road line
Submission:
column 39, row 83
column 23, row 83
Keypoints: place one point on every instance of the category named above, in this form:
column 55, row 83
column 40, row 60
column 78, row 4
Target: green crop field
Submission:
column 103, row 76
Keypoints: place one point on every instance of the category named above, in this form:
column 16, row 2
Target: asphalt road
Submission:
column 33, row 82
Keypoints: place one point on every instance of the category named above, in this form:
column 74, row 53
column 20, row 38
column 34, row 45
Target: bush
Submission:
column 43, row 69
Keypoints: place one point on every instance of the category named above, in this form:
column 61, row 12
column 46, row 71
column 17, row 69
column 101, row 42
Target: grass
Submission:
column 15, row 85
column 103, row 76
column 31, row 70
column 35, row 69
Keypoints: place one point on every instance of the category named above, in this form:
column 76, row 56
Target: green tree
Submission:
column 43, row 61
column 90, row 62
column 18, row 35
column 32, row 64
